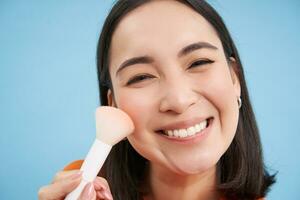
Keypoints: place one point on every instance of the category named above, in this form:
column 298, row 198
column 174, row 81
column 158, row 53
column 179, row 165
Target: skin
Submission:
column 174, row 92
column 65, row 182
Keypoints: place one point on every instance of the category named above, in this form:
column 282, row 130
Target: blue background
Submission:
column 48, row 85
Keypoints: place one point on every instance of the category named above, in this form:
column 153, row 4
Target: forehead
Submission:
column 159, row 27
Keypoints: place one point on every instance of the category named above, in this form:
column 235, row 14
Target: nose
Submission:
column 177, row 96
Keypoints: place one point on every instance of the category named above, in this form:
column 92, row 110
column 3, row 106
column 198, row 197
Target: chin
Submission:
column 193, row 168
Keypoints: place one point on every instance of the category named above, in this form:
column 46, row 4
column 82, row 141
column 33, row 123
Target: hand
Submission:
column 65, row 182
column 102, row 189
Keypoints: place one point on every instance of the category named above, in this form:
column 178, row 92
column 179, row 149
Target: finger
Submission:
column 101, row 182
column 88, row 192
column 59, row 189
column 102, row 190
column 61, row 175
column 99, row 186
column 104, row 195
column 100, row 195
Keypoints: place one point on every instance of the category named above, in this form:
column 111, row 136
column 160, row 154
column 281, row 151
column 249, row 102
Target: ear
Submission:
column 110, row 98
column 234, row 76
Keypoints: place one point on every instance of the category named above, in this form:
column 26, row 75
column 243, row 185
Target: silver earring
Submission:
column 239, row 102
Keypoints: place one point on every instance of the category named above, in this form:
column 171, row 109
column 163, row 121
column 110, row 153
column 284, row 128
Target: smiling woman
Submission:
column 174, row 69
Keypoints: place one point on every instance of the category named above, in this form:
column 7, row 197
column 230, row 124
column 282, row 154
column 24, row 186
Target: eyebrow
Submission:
column 147, row 59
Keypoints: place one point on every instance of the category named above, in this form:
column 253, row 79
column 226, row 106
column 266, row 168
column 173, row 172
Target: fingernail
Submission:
column 107, row 195
column 76, row 175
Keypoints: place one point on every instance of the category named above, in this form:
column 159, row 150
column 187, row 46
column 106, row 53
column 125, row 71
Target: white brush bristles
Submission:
column 112, row 124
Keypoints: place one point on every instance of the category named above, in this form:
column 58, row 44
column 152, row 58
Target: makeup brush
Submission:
column 112, row 125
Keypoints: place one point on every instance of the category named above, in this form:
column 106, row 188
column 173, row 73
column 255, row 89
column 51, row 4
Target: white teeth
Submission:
column 176, row 133
column 198, row 127
column 204, row 124
column 182, row 133
column 170, row 133
column 191, row 131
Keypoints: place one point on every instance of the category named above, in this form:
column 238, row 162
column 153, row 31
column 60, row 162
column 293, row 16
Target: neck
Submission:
column 165, row 184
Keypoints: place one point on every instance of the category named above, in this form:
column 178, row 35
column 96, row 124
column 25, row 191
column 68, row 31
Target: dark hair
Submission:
column 241, row 171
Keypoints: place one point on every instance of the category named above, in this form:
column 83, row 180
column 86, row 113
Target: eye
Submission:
column 138, row 78
column 200, row 62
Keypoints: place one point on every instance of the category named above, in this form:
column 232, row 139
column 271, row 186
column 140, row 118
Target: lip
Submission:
column 183, row 124
column 191, row 139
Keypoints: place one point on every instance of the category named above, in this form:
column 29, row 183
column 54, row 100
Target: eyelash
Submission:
column 138, row 78
column 142, row 77
column 201, row 62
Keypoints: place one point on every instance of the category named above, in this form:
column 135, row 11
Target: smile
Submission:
column 188, row 132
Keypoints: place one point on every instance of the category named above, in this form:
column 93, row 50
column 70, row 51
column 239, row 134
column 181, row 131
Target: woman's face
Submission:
column 174, row 85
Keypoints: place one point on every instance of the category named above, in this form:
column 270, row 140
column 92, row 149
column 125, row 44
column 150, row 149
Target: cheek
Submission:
column 226, row 101
column 135, row 105
column 220, row 92
column 139, row 107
